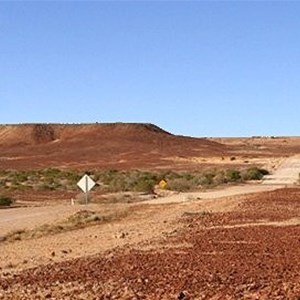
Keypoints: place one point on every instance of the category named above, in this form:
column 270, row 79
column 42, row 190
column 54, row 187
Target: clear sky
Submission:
column 193, row 68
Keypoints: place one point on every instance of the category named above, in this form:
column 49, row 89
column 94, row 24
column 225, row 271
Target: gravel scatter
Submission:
column 221, row 262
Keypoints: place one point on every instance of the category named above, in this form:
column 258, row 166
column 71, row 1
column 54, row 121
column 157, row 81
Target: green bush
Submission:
column 20, row 177
column 118, row 184
column 206, row 179
column 5, row 201
column 254, row 174
column 73, row 177
column 52, row 172
column 145, row 186
column 232, row 175
column 142, row 181
column 264, row 172
column 220, row 178
column 169, row 175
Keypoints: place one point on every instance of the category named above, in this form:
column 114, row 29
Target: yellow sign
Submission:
column 162, row 184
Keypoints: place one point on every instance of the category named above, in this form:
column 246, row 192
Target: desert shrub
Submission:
column 180, row 184
column 254, row 174
column 107, row 176
column 5, row 201
column 118, row 181
column 34, row 177
column 50, row 184
column 15, row 181
column 206, row 179
column 232, row 175
column 264, row 172
column 52, row 172
column 4, row 173
column 118, row 184
column 188, row 176
column 142, row 181
column 49, row 180
column 220, row 178
column 146, row 186
column 20, row 187
column 19, row 177
column 170, row 175
column 73, row 177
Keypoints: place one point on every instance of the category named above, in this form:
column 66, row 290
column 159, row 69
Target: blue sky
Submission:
column 193, row 68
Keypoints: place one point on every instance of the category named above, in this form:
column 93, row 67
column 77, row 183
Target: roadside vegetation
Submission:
column 5, row 201
column 122, row 181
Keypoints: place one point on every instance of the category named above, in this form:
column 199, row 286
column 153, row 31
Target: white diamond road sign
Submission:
column 86, row 183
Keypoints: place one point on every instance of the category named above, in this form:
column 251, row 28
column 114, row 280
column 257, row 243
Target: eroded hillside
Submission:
column 116, row 145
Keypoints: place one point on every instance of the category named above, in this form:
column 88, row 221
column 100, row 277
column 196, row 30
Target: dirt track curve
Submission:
column 287, row 173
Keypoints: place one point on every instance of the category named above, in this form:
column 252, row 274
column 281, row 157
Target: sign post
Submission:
column 86, row 183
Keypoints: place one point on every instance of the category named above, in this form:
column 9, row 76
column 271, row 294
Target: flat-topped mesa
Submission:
column 33, row 134
column 97, row 145
column 120, row 129
column 132, row 127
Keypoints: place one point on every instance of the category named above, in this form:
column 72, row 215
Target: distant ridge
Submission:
column 96, row 145
column 36, row 133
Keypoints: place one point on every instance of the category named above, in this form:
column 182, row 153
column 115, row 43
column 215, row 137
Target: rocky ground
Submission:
column 250, row 252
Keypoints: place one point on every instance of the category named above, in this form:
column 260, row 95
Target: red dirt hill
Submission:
column 107, row 145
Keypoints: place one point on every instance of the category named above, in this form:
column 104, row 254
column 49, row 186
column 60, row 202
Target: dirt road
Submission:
column 214, row 194
column 287, row 173
column 30, row 217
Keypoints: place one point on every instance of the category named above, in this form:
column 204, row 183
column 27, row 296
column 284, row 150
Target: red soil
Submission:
column 121, row 146
column 96, row 146
column 209, row 260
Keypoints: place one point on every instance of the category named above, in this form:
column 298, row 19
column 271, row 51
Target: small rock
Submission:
column 183, row 296
column 121, row 235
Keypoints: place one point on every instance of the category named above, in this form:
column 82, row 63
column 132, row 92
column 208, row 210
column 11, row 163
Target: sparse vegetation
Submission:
column 180, row 184
column 191, row 181
column 5, row 201
column 124, row 181
column 232, row 175
column 42, row 180
column 254, row 174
